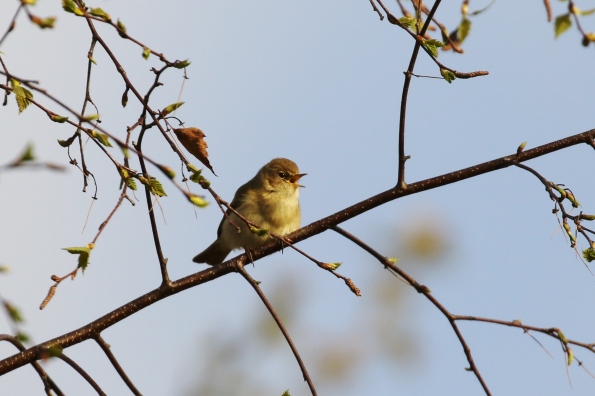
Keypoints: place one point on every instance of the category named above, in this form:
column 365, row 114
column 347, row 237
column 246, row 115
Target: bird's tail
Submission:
column 213, row 255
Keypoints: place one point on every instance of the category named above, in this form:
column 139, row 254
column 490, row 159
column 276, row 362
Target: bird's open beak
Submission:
column 293, row 179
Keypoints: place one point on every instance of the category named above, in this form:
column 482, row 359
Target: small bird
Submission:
column 269, row 200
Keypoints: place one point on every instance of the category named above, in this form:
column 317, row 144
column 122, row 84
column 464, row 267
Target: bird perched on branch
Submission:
column 269, row 200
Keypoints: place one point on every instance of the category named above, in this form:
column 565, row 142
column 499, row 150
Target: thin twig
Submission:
column 106, row 349
column 426, row 292
column 265, row 301
column 81, row 372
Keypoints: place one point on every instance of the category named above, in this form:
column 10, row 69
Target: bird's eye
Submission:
column 282, row 175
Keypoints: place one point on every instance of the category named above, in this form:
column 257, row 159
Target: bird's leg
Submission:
column 249, row 254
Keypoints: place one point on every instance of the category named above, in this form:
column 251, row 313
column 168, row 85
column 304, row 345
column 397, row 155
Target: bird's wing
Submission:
column 235, row 203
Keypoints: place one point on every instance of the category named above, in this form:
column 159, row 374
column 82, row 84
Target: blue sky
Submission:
column 320, row 83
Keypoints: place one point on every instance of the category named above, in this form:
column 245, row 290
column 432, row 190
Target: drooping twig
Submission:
column 106, row 349
column 81, row 372
column 426, row 292
column 265, row 301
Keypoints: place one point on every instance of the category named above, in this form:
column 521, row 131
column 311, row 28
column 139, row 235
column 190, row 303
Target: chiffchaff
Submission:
column 269, row 200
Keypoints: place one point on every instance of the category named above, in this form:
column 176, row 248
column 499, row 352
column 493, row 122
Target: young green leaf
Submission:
column 57, row 118
column 172, row 107
column 463, row 29
column 562, row 24
column 67, row 142
column 589, row 254
column 146, row 53
column 22, row 95
column 99, row 13
column 156, row 187
column 83, row 252
column 44, row 23
column 259, row 231
column 121, row 29
column 587, row 12
column 432, row 45
column 407, row 21
column 181, row 64
column 448, row 75
column 191, row 168
column 196, row 177
column 22, row 337
column 13, row 312
column 69, row 6
column 198, row 201
column 27, row 154
column 333, row 266
column 101, row 138
column 132, row 184
column 90, row 117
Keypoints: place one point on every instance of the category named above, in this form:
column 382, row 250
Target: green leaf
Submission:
column 447, row 75
column 43, row 23
column 122, row 29
column 432, row 45
column 13, row 312
column 101, row 138
column 562, row 24
column 191, row 168
column 69, row 6
column 587, row 12
column 589, row 254
column 333, row 266
column 259, row 231
column 67, row 142
column 99, row 13
column 132, row 184
column 57, row 118
column 196, row 177
column 125, row 151
column 22, row 95
column 181, row 64
column 27, row 154
column 156, row 187
column 146, row 53
column 172, row 107
column 407, row 21
column 22, row 337
column 570, row 355
column 198, row 201
column 463, row 29
column 90, row 117
column 83, row 252
column 286, row 393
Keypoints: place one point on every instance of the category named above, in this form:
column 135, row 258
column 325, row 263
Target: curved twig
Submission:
column 240, row 268
column 82, row 373
column 106, row 349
